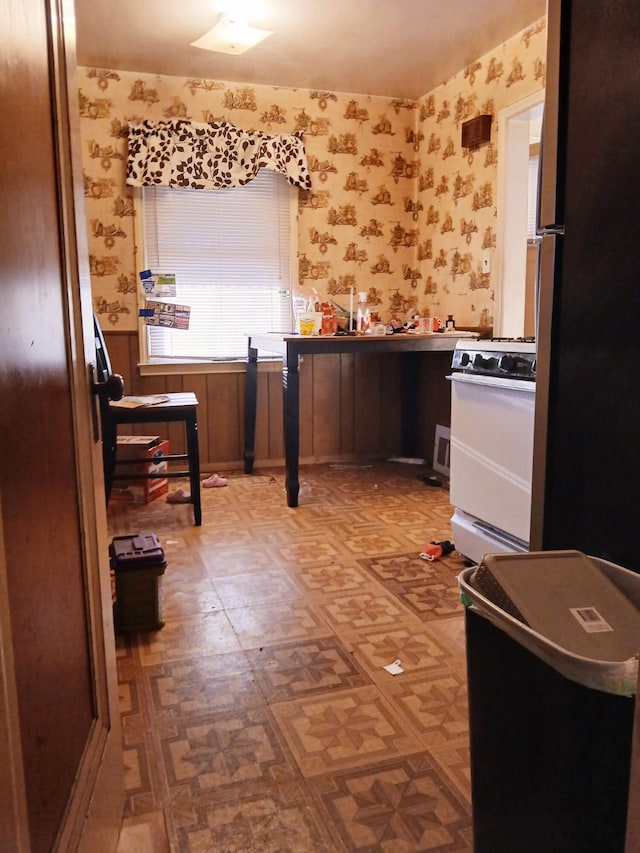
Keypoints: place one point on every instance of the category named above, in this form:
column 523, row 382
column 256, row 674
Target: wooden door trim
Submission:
column 14, row 830
column 94, row 812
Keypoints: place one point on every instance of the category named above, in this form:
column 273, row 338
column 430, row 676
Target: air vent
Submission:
column 441, row 450
column 476, row 131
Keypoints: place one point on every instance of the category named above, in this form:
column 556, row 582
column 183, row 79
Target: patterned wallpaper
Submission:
column 397, row 208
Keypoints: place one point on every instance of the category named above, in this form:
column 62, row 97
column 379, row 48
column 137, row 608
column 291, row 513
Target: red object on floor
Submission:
column 434, row 550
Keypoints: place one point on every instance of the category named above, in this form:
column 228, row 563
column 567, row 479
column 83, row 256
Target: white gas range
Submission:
column 492, row 416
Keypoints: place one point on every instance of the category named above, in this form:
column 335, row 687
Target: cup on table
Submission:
column 307, row 323
column 310, row 322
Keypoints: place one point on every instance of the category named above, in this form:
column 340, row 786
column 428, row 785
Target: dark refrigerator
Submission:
column 550, row 756
column 586, row 470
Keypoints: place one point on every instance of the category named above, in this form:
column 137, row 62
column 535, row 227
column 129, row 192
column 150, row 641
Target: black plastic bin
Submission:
column 138, row 564
column 550, row 730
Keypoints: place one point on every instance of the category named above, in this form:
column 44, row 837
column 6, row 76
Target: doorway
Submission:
column 519, row 143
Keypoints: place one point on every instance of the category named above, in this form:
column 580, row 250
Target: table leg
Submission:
column 409, row 384
column 109, row 446
column 194, row 468
column 250, row 409
column 291, row 411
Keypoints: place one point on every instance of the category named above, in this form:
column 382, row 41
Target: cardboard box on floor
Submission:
column 150, row 449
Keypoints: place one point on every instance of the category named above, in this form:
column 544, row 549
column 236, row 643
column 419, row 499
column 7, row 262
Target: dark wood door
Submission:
column 59, row 736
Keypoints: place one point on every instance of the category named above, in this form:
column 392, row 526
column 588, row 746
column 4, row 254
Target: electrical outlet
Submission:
column 486, row 263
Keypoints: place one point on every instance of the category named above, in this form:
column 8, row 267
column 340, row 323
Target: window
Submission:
column 231, row 251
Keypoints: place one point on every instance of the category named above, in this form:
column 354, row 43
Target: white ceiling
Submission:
column 395, row 48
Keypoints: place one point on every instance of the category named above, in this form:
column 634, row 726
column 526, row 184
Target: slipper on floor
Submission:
column 214, row 482
column 179, row 497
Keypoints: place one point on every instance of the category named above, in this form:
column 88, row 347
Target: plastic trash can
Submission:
column 550, row 727
column 138, row 564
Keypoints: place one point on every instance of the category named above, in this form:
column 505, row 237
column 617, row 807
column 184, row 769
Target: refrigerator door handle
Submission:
column 545, row 275
column 548, row 213
column 549, row 246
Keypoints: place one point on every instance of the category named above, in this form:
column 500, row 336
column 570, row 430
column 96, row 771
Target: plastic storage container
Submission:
column 138, row 564
column 550, row 727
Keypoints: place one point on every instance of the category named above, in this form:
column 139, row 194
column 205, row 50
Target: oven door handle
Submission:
column 496, row 382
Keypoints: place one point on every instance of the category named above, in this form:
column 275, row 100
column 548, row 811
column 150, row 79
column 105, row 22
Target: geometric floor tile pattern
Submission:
column 424, row 587
column 397, row 805
column 343, row 729
column 260, row 716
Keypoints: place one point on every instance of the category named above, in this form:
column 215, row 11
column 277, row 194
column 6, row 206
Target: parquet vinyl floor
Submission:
column 260, row 718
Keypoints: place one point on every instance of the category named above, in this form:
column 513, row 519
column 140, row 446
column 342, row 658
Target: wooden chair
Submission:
column 177, row 407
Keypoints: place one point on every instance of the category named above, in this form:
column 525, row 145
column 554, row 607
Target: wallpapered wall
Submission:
column 397, row 208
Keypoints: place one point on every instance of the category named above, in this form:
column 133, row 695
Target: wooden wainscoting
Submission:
column 350, row 406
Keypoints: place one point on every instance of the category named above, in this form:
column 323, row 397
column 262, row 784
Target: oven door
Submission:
column 492, row 451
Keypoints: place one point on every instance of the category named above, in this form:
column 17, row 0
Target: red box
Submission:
column 150, row 450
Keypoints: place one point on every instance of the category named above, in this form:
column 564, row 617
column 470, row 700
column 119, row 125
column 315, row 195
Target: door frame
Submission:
column 94, row 812
column 511, row 226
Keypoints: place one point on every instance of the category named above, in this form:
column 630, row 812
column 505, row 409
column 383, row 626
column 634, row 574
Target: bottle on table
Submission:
column 363, row 315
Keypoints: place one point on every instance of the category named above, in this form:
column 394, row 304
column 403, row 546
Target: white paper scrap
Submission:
column 394, row 668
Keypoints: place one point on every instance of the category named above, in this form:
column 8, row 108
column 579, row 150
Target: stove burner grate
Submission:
column 529, row 340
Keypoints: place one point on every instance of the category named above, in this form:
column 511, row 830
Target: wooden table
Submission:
column 291, row 347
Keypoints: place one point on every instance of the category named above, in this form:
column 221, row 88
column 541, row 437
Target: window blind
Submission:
column 230, row 250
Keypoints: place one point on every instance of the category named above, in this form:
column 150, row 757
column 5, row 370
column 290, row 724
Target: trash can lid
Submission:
column 140, row 549
column 566, row 597
column 617, row 676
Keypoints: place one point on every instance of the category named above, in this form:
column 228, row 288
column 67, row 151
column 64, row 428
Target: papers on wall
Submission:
column 166, row 314
column 158, row 284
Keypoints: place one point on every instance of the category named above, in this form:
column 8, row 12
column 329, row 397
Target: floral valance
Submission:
column 196, row 155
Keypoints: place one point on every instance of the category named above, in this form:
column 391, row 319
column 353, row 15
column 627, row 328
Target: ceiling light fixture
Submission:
column 230, row 35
